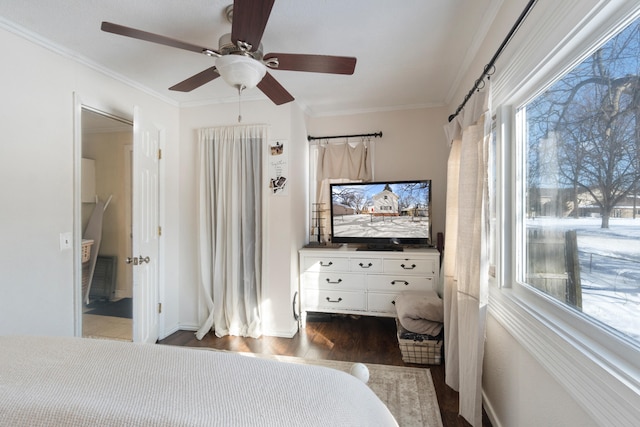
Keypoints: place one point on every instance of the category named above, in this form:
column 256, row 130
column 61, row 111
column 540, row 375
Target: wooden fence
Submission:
column 552, row 264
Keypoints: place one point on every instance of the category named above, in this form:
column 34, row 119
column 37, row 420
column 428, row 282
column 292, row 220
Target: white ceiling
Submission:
column 411, row 53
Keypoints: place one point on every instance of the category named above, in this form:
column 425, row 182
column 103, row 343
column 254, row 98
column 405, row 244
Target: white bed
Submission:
column 64, row 381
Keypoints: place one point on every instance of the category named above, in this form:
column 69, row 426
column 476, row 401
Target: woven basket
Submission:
column 428, row 352
column 86, row 250
column 425, row 352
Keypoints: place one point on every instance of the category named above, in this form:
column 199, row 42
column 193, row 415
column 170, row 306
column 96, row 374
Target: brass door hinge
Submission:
column 159, row 307
column 159, row 231
column 159, row 153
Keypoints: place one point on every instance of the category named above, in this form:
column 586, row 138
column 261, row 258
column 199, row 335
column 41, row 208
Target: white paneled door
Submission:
column 145, row 230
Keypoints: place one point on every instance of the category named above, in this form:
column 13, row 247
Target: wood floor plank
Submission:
column 337, row 337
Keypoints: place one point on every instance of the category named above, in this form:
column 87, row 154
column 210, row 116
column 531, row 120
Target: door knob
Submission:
column 142, row 260
column 130, row 260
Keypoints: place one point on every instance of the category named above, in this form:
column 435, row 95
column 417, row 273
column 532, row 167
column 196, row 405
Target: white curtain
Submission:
column 340, row 163
column 465, row 258
column 230, row 229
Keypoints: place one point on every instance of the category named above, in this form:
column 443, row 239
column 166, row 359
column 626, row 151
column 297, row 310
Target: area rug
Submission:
column 121, row 308
column 408, row 392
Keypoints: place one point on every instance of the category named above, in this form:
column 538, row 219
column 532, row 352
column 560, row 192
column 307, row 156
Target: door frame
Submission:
column 78, row 106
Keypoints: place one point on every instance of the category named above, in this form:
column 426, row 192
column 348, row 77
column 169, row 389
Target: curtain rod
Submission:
column 361, row 135
column 491, row 65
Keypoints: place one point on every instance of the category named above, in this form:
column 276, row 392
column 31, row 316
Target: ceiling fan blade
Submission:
column 314, row 63
column 249, row 21
column 196, row 81
column 274, row 90
column 154, row 38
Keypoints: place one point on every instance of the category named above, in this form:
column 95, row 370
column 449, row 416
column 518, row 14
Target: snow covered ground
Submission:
column 609, row 259
column 367, row 225
column 609, row 268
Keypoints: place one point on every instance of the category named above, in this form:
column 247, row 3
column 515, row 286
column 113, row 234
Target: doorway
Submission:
column 106, row 216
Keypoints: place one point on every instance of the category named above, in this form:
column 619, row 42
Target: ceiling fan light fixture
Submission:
column 240, row 71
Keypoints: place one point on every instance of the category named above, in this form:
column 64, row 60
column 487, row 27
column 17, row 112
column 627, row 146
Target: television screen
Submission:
column 385, row 214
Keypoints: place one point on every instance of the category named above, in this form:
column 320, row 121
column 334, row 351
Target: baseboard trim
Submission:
column 290, row 333
column 491, row 413
column 281, row 334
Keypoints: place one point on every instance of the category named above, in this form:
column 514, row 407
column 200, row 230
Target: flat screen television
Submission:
column 383, row 215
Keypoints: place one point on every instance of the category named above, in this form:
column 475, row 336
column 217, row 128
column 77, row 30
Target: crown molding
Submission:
column 356, row 111
column 69, row 54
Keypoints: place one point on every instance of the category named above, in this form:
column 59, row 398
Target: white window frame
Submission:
column 599, row 367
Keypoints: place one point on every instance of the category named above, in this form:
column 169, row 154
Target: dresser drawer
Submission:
column 379, row 302
column 365, row 265
column 319, row 300
column 353, row 281
column 410, row 266
column 325, row 264
column 399, row 283
column 333, row 281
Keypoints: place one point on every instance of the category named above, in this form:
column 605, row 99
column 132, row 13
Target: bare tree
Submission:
column 413, row 195
column 353, row 197
column 592, row 114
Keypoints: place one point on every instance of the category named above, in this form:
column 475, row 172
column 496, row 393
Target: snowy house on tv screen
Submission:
column 339, row 209
column 385, row 202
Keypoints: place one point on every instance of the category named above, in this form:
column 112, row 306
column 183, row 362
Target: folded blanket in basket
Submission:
column 408, row 335
column 421, row 312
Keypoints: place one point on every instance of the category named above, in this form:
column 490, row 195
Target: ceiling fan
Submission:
column 240, row 59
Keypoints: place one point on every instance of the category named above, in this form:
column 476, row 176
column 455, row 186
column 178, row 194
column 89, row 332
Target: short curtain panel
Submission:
column 337, row 163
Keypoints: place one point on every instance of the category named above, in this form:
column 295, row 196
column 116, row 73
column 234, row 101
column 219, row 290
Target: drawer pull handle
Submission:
column 408, row 268
column 365, row 266
column 334, row 300
column 393, row 302
column 334, row 282
column 393, row 282
column 329, row 264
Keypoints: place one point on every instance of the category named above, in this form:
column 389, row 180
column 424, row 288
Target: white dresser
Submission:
column 349, row 281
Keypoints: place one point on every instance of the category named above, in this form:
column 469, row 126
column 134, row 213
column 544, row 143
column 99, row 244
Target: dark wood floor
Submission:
column 352, row 339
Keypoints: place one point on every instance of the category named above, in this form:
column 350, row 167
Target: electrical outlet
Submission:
column 65, row 241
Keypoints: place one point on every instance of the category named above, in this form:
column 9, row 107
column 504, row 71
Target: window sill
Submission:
column 568, row 346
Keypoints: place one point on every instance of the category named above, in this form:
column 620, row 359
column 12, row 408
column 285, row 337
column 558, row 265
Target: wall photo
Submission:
column 278, row 168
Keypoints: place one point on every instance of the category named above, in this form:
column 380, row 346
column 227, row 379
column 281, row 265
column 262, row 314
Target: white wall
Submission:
column 36, row 181
column 284, row 227
column 412, row 146
column 520, row 391
column 300, row 203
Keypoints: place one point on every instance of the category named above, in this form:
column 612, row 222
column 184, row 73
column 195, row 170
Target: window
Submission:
column 580, row 226
column 320, row 180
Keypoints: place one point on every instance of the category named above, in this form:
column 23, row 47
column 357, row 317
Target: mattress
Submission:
column 66, row 381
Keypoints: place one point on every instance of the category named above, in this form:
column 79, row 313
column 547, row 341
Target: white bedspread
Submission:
column 48, row 381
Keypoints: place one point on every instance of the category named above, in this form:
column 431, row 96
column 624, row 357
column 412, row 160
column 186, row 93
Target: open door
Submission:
column 145, row 229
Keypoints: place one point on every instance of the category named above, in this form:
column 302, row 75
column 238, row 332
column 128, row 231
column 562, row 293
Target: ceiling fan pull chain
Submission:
column 240, row 87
